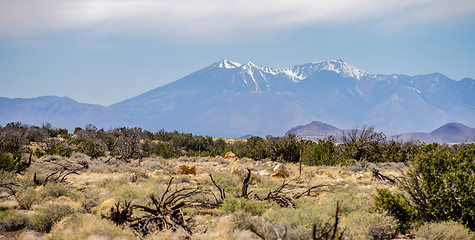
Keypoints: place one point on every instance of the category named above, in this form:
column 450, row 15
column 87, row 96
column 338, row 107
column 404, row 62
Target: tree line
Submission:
column 359, row 144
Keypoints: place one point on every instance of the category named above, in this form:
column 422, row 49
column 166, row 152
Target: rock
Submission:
column 187, row 169
column 264, row 173
column 359, row 176
column 238, row 171
column 106, row 207
column 280, row 171
column 230, row 156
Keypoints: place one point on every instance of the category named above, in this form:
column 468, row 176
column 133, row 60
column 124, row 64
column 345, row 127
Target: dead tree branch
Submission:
column 279, row 198
column 329, row 231
column 54, row 177
column 245, row 184
column 164, row 212
column 222, row 194
column 378, row 175
column 309, row 190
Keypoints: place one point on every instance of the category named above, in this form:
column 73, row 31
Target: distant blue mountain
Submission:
column 231, row 99
column 448, row 133
column 61, row 112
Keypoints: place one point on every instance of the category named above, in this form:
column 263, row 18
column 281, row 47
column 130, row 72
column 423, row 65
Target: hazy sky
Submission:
column 105, row 51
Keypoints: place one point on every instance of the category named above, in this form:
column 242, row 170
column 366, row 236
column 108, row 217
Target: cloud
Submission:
column 214, row 18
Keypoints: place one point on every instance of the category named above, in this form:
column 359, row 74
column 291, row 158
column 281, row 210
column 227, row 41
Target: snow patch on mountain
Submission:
column 343, row 68
column 299, row 72
column 228, row 64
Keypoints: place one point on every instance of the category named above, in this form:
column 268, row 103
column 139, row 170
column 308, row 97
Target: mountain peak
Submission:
column 249, row 65
column 227, row 64
column 316, row 130
column 339, row 66
column 451, row 128
column 301, row 72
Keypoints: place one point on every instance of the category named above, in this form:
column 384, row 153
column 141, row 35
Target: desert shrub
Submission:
column 38, row 153
column 13, row 162
column 9, row 182
column 399, row 152
column 285, row 148
column 443, row 231
column 13, row 137
column 81, row 226
column 351, row 198
column 27, row 197
column 128, row 142
column 231, row 185
column 128, row 193
column 165, row 150
column 397, row 206
column 322, row 152
column 48, row 215
column 306, row 214
column 138, row 175
column 56, row 146
column 231, row 205
column 363, row 144
column 253, row 147
column 13, row 221
column 90, row 199
column 288, row 223
column 36, row 134
column 363, row 225
column 92, row 148
column 267, row 229
column 111, row 182
column 56, row 190
column 438, row 187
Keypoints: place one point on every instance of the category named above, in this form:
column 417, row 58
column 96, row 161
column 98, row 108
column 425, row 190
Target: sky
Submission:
column 106, row 51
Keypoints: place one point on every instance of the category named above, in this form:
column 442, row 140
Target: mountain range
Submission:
column 229, row 99
column 448, row 133
column 61, row 112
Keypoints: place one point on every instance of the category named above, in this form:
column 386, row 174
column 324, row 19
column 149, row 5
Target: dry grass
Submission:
column 96, row 189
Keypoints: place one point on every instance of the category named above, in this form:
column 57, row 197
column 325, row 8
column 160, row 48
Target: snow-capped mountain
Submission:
column 234, row 99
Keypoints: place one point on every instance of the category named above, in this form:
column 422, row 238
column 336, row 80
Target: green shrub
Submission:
column 55, row 146
column 399, row 152
column 231, row 205
column 13, row 221
column 443, row 231
column 438, row 187
column 48, row 215
column 363, row 144
column 322, row 152
column 13, row 163
column 396, row 205
column 92, row 148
